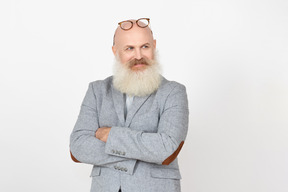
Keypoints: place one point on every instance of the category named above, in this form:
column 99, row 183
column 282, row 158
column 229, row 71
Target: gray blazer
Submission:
column 140, row 154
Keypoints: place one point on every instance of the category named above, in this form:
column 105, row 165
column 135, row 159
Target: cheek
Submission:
column 124, row 58
column 149, row 54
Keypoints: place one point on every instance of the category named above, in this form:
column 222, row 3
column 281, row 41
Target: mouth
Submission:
column 139, row 67
column 138, row 64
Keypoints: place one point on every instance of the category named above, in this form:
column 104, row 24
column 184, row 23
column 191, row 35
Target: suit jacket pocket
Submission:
column 165, row 173
column 95, row 171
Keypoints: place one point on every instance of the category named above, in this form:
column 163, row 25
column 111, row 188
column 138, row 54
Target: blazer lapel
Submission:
column 137, row 103
column 118, row 101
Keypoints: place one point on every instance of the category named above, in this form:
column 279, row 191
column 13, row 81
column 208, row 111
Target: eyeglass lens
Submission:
column 126, row 25
column 142, row 22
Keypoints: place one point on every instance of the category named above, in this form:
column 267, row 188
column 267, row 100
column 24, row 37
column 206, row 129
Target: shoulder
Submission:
column 171, row 94
column 168, row 86
column 101, row 85
column 104, row 82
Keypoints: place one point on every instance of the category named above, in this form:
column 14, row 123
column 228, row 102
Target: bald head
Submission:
column 135, row 43
column 120, row 31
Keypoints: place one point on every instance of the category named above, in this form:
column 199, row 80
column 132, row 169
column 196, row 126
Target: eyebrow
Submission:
column 145, row 44
column 135, row 46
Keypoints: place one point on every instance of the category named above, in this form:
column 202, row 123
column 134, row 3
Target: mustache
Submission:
column 139, row 61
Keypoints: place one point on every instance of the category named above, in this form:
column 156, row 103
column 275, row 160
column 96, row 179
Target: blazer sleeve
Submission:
column 84, row 146
column 161, row 147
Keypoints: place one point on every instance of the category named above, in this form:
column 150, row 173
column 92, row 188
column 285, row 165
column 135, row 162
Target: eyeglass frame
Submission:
column 132, row 23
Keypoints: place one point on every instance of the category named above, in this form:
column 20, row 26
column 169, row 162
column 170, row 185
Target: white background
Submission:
column 231, row 55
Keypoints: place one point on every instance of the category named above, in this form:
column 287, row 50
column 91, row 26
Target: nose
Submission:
column 138, row 54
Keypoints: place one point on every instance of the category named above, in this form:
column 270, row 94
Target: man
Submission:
column 132, row 125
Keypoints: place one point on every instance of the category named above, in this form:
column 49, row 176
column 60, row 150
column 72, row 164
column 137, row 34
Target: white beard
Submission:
column 136, row 83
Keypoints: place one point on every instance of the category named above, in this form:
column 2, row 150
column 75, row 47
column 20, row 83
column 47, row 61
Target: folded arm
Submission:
column 84, row 146
column 161, row 147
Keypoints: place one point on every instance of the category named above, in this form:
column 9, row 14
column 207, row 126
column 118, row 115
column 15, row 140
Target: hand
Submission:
column 102, row 133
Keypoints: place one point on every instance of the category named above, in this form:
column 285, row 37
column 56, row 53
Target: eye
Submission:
column 129, row 48
column 145, row 46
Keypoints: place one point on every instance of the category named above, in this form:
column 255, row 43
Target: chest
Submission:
column 140, row 116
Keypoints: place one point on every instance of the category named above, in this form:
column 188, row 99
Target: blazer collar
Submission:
column 118, row 101
column 136, row 105
column 119, row 104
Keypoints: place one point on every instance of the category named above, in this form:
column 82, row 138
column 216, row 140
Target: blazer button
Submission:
column 123, row 153
column 113, row 151
column 125, row 170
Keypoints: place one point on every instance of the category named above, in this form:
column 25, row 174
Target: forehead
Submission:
column 133, row 36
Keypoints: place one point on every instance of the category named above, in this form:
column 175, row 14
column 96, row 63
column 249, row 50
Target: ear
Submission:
column 154, row 43
column 114, row 49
